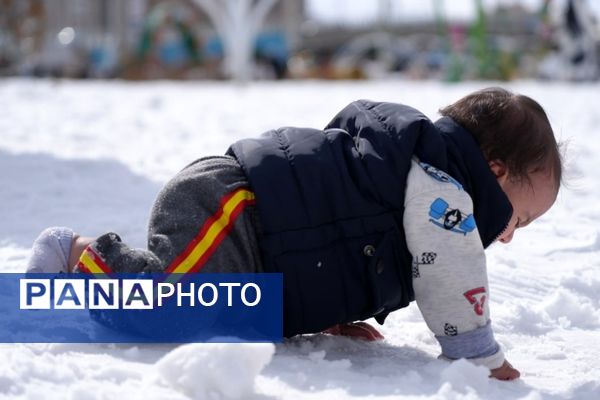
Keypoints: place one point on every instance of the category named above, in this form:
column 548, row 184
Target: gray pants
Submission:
column 187, row 211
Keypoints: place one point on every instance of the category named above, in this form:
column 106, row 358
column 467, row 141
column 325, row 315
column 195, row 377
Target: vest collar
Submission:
column 492, row 209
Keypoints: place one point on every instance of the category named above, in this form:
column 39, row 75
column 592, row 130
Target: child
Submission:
column 381, row 208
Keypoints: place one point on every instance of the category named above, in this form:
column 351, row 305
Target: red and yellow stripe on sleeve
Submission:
column 199, row 250
column 91, row 263
column 212, row 233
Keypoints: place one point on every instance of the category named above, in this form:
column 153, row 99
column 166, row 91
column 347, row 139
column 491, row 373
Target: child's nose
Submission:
column 506, row 238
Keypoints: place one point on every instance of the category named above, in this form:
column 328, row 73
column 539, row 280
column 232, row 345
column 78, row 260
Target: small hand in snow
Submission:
column 506, row 372
column 360, row 330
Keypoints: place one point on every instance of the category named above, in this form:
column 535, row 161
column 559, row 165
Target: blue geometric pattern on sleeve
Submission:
column 450, row 219
column 440, row 176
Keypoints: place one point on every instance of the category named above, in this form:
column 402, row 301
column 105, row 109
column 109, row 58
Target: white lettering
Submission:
column 134, row 293
column 181, row 293
column 162, row 293
column 201, row 296
column 258, row 294
column 229, row 285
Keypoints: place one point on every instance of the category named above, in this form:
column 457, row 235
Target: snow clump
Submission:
column 215, row 370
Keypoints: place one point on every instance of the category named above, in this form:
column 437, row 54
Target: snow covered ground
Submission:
column 92, row 155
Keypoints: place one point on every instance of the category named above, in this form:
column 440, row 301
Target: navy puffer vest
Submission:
column 331, row 205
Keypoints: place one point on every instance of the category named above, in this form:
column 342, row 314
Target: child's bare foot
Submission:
column 78, row 245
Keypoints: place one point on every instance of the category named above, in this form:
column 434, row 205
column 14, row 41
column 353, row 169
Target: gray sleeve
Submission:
column 449, row 270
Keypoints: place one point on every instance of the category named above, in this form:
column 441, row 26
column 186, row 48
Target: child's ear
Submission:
column 499, row 170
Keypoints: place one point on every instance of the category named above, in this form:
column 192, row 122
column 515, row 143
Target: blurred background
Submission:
column 301, row 39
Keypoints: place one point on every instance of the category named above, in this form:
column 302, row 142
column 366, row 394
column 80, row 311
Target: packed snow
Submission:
column 92, row 155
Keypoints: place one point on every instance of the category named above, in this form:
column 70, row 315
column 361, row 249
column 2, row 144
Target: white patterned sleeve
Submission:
column 449, row 268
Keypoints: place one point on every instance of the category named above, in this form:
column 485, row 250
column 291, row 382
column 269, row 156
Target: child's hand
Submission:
column 506, row 372
column 360, row 330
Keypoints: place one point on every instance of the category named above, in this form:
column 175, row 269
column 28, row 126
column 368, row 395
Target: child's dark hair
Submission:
column 511, row 128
